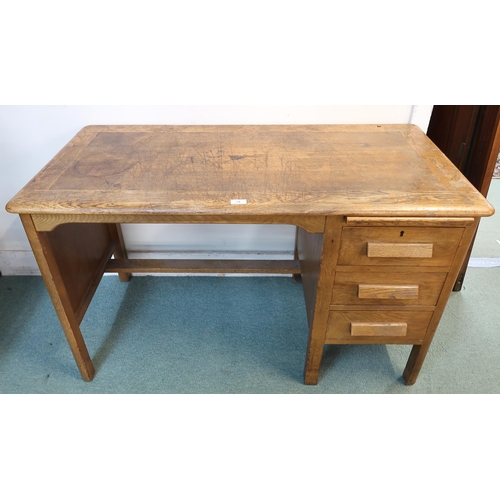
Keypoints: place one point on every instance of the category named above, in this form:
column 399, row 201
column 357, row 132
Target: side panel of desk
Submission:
column 318, row 255
column 81, row 252
column 72, row 260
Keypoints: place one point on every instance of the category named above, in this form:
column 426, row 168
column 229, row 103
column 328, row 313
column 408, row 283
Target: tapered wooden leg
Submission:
column 418, row 353
column 120, row 250
column 317, row 254
column 313, row 362
column 414, row 364
column 72, row 260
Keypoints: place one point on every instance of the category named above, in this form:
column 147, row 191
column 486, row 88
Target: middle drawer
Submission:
column 373, row 286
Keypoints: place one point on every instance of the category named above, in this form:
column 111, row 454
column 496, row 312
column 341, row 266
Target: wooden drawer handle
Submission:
column 388, row 292
column 378, row 329
column 408, row 250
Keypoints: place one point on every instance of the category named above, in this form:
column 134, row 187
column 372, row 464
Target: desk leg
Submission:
column 313, row 361
column 414, row 364
column 72, row 259
column 318, row 254
column 418, row 353
column 120, row 251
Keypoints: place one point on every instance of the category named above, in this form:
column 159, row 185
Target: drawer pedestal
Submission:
column 387, row 282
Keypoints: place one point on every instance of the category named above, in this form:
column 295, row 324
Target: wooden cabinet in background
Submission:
column 470, row 137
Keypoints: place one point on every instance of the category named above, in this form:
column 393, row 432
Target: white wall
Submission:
column 31, row 135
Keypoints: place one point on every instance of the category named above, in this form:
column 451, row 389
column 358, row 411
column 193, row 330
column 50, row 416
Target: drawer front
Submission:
column 384, row 327
column 399, row 246
column 386, row 287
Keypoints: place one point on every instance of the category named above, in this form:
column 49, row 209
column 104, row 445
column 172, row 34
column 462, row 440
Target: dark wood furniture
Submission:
column 469, row 135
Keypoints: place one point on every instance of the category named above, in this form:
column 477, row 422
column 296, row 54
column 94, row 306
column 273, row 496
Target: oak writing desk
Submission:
column 384, row 220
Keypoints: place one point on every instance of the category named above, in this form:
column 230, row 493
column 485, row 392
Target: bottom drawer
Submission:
column 377, row 327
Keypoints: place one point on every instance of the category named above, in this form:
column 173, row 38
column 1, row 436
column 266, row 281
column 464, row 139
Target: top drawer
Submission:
column 400, row 246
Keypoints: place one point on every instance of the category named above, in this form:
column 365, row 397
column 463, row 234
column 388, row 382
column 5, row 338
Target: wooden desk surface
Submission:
column 377, row 170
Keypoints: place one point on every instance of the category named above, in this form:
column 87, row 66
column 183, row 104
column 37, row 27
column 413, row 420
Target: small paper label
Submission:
column 238, row 202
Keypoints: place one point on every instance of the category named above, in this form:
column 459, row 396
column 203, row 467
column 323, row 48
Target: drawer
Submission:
column 400, row 246
column 377, row 327
column 386, row 287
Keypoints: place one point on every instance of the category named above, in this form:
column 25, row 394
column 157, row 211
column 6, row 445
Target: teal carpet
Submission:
column 231, row 335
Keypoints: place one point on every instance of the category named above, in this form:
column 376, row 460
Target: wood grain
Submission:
column 81, row 252
column 383, row 292
column 378, row 329
column 356, row 241
column 48, row 222
column 203, row 266
column 399, row 250
column 318, row 259
column 339, row 326
column 410, row 221
column 56, row 287
column 382, row 286
column 277, row 169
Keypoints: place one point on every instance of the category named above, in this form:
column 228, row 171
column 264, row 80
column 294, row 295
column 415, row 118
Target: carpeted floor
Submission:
column 231, row 335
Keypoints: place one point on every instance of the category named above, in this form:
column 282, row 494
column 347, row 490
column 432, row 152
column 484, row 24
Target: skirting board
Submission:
column 22, row 262
column 18, row 263
column 484, row 262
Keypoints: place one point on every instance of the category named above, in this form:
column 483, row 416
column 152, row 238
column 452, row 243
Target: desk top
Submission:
column 358, row 170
